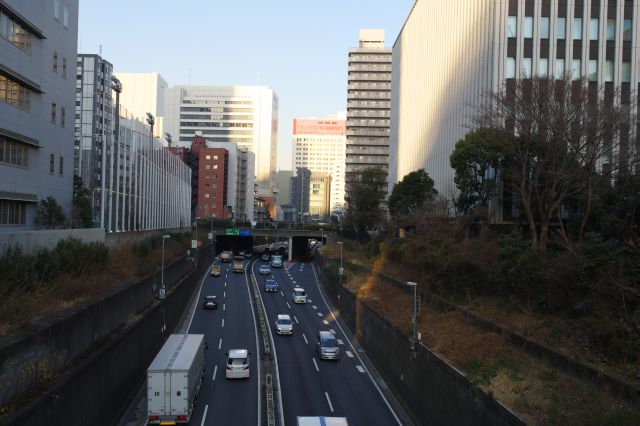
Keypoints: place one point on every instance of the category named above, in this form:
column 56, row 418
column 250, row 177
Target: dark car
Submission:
column 210, row 302
column 265, row 257
column 248, row 255
column 271, row 285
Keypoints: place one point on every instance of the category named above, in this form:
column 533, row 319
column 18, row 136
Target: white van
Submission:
column 237, row 364
column 299, row 295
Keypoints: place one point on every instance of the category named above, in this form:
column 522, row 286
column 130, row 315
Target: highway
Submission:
column 311, row 386
column 232, row 326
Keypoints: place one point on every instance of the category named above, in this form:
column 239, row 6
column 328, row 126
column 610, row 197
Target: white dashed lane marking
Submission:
column 316, row 364
column 349, row 354
column 296, row 319
column 319, row 314
column 220, row 343
column 305, row 339
column 325, row 322
column 359, row 368
column 340, row 342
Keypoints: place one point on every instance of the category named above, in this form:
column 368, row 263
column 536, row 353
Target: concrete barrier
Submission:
column 100, row 385
column 435, row 392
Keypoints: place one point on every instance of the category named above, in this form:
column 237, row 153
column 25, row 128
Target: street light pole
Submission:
column 414, row 308
column 163, row 291
column 341, row 270
column 196, row 248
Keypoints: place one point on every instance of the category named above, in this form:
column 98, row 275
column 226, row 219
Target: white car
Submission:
column 299, row 295
column 284, row 324
column 237, row 364
column 265, row 270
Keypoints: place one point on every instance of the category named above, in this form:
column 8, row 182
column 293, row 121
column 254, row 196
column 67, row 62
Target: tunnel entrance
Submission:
column 234, row 243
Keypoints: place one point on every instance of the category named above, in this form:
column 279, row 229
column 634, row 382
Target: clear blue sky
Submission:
column 298, row 47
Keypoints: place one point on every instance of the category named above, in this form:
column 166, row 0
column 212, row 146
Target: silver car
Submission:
column 327, row 345
column 265, row 270
column 284, row 324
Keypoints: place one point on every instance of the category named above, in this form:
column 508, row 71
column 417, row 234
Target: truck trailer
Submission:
column 238, row 264
column 174, row 379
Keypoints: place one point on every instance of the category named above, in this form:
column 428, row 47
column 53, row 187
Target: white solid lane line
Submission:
column 329, row 401
column 220, row 343
column 222, row 322
column 359, row 368
column 296, row 319
column 316, row 364
column 215, row 370
column 204, row 416
column 349, row 354
column 305, row 339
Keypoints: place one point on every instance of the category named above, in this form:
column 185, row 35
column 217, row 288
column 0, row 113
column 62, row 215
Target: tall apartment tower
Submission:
column 319, row 145
column 483, row 47
column 244, row 115
column 368, row 105
column 38, row 48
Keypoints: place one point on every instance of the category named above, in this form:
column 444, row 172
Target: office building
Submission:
column 38, row 48
column 368, row 105
column 244, row 115
column 319, row 196
column 300, row 193
column 320, row 146
column 469, row 50
column 144, row 93
column 283, row 183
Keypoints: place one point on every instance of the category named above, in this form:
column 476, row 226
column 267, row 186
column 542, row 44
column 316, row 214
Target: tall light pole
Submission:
column 414, row 309
column 163, row 291
column 196, row 247
column 341, row 270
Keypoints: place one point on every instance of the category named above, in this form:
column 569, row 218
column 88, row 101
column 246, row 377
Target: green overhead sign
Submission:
column 232, row 231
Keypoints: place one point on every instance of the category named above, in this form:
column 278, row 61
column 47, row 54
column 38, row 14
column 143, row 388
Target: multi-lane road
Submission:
column 308, row 385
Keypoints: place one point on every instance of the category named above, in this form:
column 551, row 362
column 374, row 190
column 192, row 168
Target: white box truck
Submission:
column 322, row 421
column 174, row 378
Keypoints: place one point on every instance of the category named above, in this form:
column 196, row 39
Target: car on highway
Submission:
column 248, row 254
column 215, row 271
column 284, row 324
column 327, row 345
column 265, row 257
column 265, row 270
column 210, row 302
column 237, row 364
column 270, row 285
column 299, row 295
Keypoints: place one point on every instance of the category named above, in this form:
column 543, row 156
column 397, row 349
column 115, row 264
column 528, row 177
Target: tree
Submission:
column 82, row 215
column 562, row 132
column 364, row 199
column 477, row 160
column 50, row 214
column 409, row 195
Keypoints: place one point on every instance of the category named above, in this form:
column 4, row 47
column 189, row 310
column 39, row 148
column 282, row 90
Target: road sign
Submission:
column 340, row 270
column 194, row 243
column 232, row 231
column 245, row 232
column 162, row 293
column 210, row 236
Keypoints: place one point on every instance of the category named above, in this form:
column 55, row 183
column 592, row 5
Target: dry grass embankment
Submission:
column 540, row 393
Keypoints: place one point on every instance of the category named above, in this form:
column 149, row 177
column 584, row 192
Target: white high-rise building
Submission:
column 320, row 146
column 143, row 93
column 244, row 115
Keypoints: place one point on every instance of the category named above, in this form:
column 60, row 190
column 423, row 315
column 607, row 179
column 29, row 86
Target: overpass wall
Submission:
column 435, row 392
column 108, row 343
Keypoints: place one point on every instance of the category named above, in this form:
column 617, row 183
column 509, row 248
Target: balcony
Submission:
column 364, row 95
column 364, row 113
column 369, row 86
column 370, row 68
column 364, row 132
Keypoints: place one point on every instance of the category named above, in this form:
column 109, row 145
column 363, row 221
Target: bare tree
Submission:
column 563, row 133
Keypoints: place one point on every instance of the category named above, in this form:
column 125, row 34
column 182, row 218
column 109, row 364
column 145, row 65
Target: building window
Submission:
column 527, row 27
column 61, row 166
column 206, row 195
column 510, row 68
column 65, row 17
column 575, row 69
column 52, row 161
column 543, row 67
column 626, row 30
column 13, row 153
column 63, row 114
column 15, row 33
column 544, row 27
column 608, row 71
column 526, row 68
column 559, row 68
column 561, row 26
column 625, row 72
column 611, row 29
column 593, row 29
column 215, row 157
column 56, row 9
column 64, row 68
column 577, row 28
column 215, row 166
column 14, row 94
column 207, row 157
column 53, row 112
column 13, row 212
column 592, row 70
column 512, row 26
column 55, row 61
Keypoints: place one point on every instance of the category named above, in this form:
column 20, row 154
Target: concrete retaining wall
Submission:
column 30, row 241
column 113, row 239
column 61, row 339
column 435, row 392
column 98, row 389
